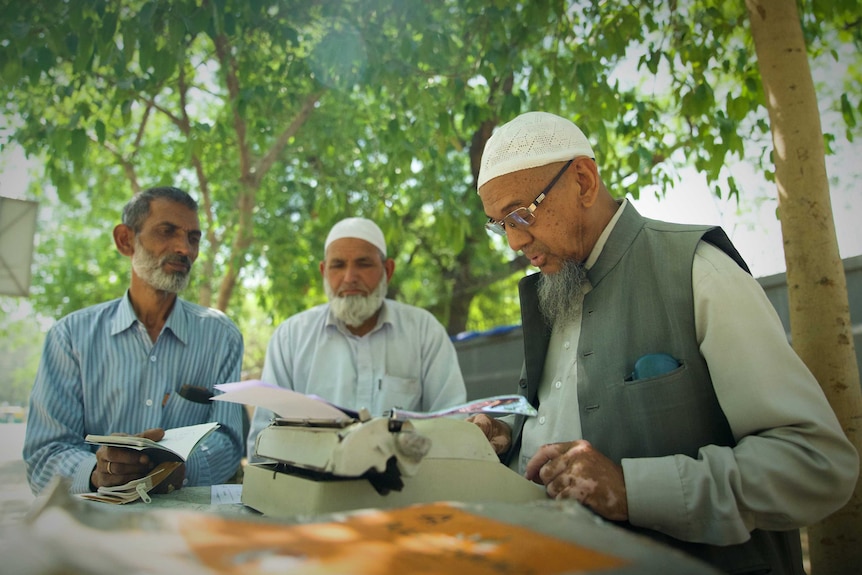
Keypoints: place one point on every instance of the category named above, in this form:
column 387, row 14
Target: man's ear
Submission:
column 323, row 268
column 588, row 178
column 389, row 266
column 124, row 239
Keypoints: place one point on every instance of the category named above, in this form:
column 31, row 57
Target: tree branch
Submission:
column 140, row 135
column 178, row 122
column 266, row 162
column 127, row 165
column 228, row 65
column 185, row 125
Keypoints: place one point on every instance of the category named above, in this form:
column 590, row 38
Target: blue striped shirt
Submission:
column 100, row 373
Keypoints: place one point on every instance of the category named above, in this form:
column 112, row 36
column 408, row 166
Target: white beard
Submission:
column 560, row 293
column 354, row 310
column 149, row 268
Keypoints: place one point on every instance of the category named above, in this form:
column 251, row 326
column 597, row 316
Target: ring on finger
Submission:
column 109, row 469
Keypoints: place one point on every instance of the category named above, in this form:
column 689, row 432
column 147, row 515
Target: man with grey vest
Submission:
column 669, row 399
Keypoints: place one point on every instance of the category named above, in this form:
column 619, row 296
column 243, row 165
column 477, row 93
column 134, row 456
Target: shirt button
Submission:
column 542, row 420
column 152, row 358
column 558, row 385
column 149, row 403
column 567, row 345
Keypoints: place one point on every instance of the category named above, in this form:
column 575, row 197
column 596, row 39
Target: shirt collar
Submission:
column 603, row 238
column 125, row 317
column 178, row 321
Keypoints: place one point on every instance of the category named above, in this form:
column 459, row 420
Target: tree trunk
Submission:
column 817, row 288
column 463, row 286
column 462, row 294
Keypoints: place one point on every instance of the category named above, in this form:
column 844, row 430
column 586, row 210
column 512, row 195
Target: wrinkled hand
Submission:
column 575, row 470
column 118, row 465
column 498, row 433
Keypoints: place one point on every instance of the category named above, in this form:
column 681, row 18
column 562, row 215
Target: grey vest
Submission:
column 642, row 303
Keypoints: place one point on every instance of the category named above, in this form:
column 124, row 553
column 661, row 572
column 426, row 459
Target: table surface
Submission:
column 537, row 534
column 56, row 532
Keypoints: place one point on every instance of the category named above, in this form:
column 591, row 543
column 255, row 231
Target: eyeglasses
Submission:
column 524, row 217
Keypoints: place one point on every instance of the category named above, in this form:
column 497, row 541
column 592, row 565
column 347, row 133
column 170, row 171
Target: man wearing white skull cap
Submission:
column 669, row 398
column 362, row 350
column 359, row 228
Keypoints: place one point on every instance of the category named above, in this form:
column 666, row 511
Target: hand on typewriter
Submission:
column 498, row 433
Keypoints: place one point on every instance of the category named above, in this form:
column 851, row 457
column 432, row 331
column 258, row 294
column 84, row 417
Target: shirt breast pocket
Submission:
column 179, row 411
column 402, row 392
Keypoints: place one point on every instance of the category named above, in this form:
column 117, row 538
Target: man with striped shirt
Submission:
column 138, row 365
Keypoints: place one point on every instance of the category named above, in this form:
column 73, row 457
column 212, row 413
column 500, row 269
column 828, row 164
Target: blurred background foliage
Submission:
column 283, row 116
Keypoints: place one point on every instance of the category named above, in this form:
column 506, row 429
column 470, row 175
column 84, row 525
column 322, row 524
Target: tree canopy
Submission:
column 282, row 117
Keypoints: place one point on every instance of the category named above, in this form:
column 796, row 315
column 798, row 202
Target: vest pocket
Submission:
column 654, row 367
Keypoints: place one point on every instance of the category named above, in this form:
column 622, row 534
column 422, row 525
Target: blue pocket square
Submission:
column 653, row 365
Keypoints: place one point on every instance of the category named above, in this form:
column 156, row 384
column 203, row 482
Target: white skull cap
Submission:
column 359, row 228
column 531, row 140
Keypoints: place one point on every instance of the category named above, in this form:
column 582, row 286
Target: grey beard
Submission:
column 149, row 268
column 353, row 310
column 560, row 293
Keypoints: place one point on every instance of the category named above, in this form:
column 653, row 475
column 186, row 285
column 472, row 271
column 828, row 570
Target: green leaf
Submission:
column 511, row 106
column 737, row 108
column 78, row 146
column 71, row 44
column 100, row 131
column 129, row 39
column 145, row 16
column 84, row 53
column 653, row 61
column 177, row 31
column 126, row 111
column 734, row 189
column 147, row 53
column 634, row 161
column 847, row 111
column 11, row 68
column 45, row 59
column 164, row 64
column 108, row 27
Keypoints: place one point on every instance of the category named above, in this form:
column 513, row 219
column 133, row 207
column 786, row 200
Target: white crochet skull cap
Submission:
column 359, row 228
column 531, row 140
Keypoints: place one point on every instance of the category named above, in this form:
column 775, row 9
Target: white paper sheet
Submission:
column 283, row 402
